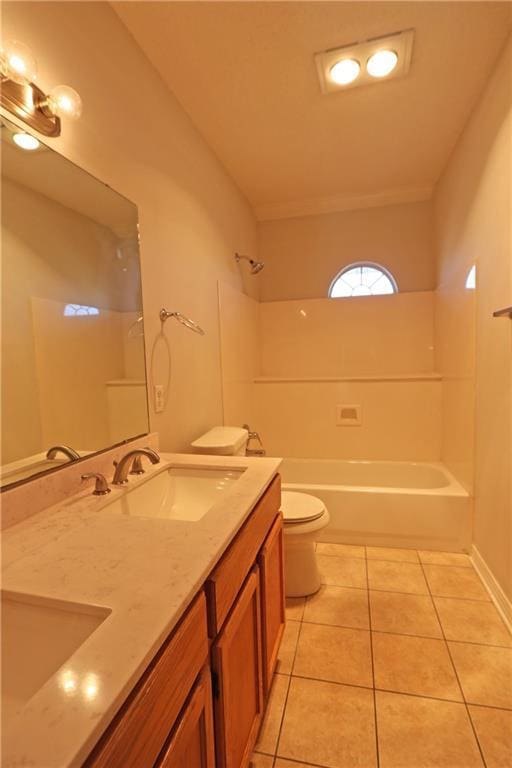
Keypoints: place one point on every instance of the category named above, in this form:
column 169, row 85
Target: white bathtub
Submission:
column 386, row 503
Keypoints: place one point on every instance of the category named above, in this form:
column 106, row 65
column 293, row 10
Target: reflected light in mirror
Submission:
column 471, row 278
column 26, row 141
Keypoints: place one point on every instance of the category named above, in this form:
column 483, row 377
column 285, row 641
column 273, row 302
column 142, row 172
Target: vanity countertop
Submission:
column 145, row 571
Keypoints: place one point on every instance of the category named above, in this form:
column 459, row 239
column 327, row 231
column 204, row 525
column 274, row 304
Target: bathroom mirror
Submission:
column 73, row 370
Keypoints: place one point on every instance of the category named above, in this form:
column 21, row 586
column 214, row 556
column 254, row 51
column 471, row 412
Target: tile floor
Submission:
column 399, row 661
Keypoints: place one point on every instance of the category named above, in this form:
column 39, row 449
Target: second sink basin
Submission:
column 176, row 494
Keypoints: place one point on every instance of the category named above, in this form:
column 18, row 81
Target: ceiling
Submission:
column 245, row 73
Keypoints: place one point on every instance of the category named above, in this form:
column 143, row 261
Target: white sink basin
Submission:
column 176, row 494
column 38, row 637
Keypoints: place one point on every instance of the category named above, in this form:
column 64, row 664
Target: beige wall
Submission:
column 192, row 216
column 473, row 215
column 303, row 255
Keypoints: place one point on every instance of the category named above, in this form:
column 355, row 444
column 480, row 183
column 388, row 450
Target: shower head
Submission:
column 256, row 266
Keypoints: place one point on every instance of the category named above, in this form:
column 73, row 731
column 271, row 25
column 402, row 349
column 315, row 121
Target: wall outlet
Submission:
column 158, row 392
column 348, row 416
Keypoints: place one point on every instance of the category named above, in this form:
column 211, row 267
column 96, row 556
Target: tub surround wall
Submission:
column 317, row 354
column 192, row 216
column 363, row 336
column 304, row 254
column 473, row 210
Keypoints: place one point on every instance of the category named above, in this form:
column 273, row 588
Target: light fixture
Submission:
column 27, row 101
column 18, row 62
column 345, row 71
column 64, row 101
column 26, row 141
column 365, row 62
column 382, row 63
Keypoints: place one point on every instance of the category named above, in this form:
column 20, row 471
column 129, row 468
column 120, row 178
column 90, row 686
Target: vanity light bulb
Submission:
column 64, row 101
column 18, row 62
column 344, row 71
column 382, row 63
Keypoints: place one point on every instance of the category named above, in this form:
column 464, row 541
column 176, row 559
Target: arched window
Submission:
column 362, row 279
column 471, row 278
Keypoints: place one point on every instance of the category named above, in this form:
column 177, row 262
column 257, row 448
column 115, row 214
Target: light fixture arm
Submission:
column 164, row 314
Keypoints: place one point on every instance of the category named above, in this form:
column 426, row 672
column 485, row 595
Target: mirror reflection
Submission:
column 73, row 373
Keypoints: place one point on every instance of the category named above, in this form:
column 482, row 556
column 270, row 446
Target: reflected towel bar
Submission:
column 505, row 312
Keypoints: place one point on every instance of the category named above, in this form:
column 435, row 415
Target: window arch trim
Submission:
column 355, row 265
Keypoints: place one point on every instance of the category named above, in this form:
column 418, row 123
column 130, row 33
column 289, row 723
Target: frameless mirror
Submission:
column 73, row 370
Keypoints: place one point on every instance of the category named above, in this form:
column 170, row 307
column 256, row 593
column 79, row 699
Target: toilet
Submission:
column 304, row 517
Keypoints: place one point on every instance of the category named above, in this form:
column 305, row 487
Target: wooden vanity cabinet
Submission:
column 181, row 715
column 237, row 670
column 192, row 742
column 271, row 565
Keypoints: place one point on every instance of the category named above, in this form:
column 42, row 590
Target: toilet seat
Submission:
column 298, row 508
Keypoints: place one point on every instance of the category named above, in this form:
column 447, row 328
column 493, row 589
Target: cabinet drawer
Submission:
column 141, row 727
column 226, row 580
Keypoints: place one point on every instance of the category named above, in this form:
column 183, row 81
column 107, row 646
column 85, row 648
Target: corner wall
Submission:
column 473, row 210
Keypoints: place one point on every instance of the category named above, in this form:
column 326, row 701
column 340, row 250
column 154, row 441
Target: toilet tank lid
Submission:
column 224, row 440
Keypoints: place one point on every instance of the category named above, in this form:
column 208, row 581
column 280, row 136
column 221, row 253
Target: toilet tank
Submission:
column 222, row 441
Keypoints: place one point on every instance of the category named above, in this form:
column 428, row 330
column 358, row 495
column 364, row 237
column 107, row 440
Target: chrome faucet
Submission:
column 253, row 436
column 132, row 458
column 101, row 487
column 70, row 453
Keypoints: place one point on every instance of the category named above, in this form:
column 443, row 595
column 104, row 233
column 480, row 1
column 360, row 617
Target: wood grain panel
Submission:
column 237, row 664
column 192, row 744
column 271, row 563
column 141, row 727
column 224, row 583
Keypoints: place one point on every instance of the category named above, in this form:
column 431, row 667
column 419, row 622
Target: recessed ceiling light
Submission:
column 345, row 71
column 366, row 62
column 25, row 141
column 382, row 63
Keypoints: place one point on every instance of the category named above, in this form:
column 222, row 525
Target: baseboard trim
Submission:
column 497, row 594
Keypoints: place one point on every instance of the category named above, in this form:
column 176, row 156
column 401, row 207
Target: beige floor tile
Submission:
column 404, row 614
column 334, row 653
column 472, row 621
column 280, row 763
column 485, row 673
column 288, row 646
column 414, row 665
column 452, row 581
column 494, row 731
column 396, row 555
column 295, row 608
column 424, row 733
column 342, row 571
column 261, row 761
column 396, row 577
column 341, row 550
column 339, row 606
column 444, row 558
column 329, row 725
column 269, row 732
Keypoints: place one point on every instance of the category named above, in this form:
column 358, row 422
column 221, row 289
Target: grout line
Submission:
column 372, row 663
column 289, row 685
column 455, row 672
column 414, row 594
column 403, row 634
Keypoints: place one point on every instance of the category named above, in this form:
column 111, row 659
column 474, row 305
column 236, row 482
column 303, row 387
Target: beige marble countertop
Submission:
column 145, row 571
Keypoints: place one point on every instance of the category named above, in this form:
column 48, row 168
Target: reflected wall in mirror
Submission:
column 73, row 369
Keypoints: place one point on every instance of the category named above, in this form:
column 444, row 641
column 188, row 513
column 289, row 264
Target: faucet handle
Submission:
column 101, row 487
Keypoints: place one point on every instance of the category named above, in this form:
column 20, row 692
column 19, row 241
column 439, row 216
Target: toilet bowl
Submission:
column 304, row 517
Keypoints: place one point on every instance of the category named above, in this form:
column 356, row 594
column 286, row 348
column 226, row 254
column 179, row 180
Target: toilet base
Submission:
column 301, row 574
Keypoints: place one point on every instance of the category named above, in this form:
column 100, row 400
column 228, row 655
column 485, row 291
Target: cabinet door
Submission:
column 192, row 743
column 237, row 667
column 271, row 563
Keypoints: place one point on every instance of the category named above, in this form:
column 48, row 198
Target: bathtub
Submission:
column 386, row 503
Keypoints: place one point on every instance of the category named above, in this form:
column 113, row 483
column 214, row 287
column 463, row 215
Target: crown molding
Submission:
column 320, row 205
